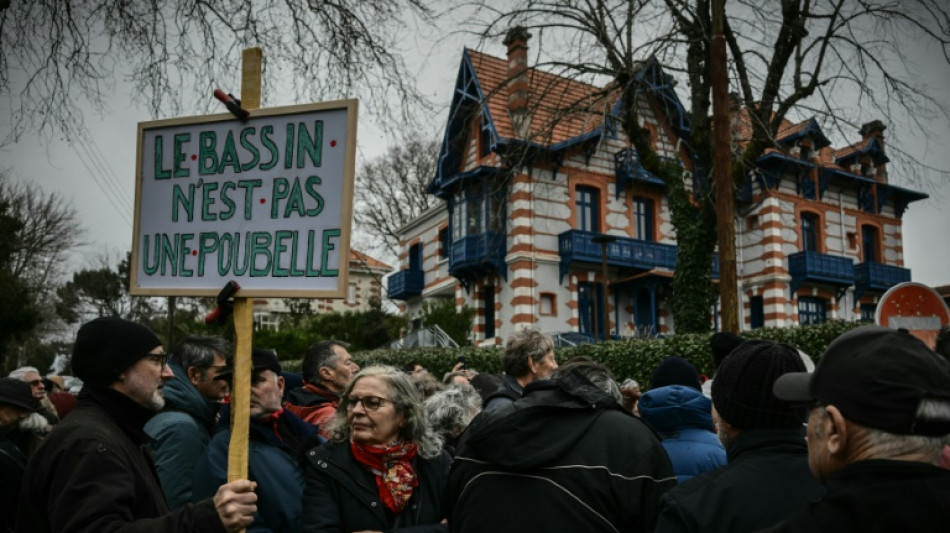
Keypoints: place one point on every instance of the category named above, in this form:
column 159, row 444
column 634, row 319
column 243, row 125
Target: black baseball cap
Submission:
column 876, row 377
column 261, row 359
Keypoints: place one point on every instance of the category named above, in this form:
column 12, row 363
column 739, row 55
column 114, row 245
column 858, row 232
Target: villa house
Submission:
column 545, row 206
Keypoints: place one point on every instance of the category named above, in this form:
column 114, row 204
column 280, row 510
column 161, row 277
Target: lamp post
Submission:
column 603, row 240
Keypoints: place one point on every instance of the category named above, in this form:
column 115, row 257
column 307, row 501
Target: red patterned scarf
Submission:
column 395, row 477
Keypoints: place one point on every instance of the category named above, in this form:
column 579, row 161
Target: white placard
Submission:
column 267, row 203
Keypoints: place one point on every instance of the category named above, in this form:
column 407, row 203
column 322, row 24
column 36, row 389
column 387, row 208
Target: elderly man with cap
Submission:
column 881, row 415
column 91, row 473
column 766, row 479
column 276, row 438
column 16, row 402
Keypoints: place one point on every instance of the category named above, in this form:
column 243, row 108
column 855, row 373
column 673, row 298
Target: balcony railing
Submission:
column 475, row 255
column 871, row 276
column 406, row 284
column 814, row 267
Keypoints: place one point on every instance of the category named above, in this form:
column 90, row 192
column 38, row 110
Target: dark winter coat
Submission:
column 766, row 481
column 509, row 391
column 878, row 495
column 12, row 463
column 180, row 434
column 341, row 495
column 272, row 463
column 683, row 418
column 565, row 457
column 93, row 474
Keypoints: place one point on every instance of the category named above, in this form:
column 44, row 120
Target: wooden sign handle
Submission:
column 243, row 309
column 241, row 389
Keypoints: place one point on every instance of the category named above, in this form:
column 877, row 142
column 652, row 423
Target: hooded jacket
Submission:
column 683, row 418
column 565, row 457
column 181, row 433
column 314, row 404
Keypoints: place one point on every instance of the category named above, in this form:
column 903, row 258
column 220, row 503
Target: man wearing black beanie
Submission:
column 91, row 473
column 766, row 478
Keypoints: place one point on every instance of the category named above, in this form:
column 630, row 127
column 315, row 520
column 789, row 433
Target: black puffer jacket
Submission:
column 565, row 457
column 93, row 474
column 766, row 480
column 340, row 495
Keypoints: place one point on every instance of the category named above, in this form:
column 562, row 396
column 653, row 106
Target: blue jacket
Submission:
column 272, row 463
column 181, row 433
column 683, row 418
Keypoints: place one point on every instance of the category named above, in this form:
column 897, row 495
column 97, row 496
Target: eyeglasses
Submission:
column 369, row 403
column 160, row 359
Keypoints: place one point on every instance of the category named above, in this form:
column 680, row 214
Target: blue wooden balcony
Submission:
column 475, row 255
column 406, row 284
column 577, row 246
column 814, row 267
column 871, row 276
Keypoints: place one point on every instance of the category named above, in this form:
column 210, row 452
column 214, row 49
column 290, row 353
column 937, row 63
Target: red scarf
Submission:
column 395, row 477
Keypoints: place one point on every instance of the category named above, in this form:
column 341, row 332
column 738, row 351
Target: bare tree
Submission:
column 392, row 190
column 839, row 60
column 56, row 55
column 38, row 230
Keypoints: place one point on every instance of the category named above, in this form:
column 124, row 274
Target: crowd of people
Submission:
column 860, row 442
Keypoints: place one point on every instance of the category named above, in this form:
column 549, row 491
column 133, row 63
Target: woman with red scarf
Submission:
column 383, row 469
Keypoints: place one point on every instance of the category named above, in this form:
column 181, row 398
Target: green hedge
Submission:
column 626, row 359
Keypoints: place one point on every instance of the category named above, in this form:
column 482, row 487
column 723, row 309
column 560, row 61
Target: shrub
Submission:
column 635, row 358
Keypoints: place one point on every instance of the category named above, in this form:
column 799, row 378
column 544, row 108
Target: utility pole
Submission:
column 722, row 172
column 603, row 241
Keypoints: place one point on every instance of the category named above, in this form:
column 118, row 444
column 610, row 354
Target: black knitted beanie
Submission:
column 742, row 390
column 107, row 346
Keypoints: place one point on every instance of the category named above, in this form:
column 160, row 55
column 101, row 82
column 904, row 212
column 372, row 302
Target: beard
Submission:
column 145, row 392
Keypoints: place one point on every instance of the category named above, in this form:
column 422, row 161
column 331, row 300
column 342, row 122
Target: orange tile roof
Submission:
column 560, row 108
column 363, row 259
column 848, row 150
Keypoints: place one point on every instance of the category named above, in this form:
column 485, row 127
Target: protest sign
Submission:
column 267, row 203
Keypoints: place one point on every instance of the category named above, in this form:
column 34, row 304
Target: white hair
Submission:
column 22, row 371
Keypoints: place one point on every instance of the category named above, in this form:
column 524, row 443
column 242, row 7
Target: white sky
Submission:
column 70, row 170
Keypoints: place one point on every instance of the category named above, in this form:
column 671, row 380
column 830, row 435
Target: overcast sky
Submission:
column 97, row 173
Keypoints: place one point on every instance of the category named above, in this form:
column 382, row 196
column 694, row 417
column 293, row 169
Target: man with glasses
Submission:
column 91, row 473
column 275, row 438
column 182, row 430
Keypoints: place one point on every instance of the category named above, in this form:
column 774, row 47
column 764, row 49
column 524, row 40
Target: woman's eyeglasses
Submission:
column 369, row 403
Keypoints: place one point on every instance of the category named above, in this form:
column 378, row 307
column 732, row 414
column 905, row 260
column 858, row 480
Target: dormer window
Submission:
column 867, row 170
column 806, row 152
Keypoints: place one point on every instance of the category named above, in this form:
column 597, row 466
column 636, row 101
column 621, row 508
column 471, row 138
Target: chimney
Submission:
column 875, row 129
column 517, row 42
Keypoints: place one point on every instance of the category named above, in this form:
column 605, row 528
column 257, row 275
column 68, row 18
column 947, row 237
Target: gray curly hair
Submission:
column 407, row 401
column 449, row 412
